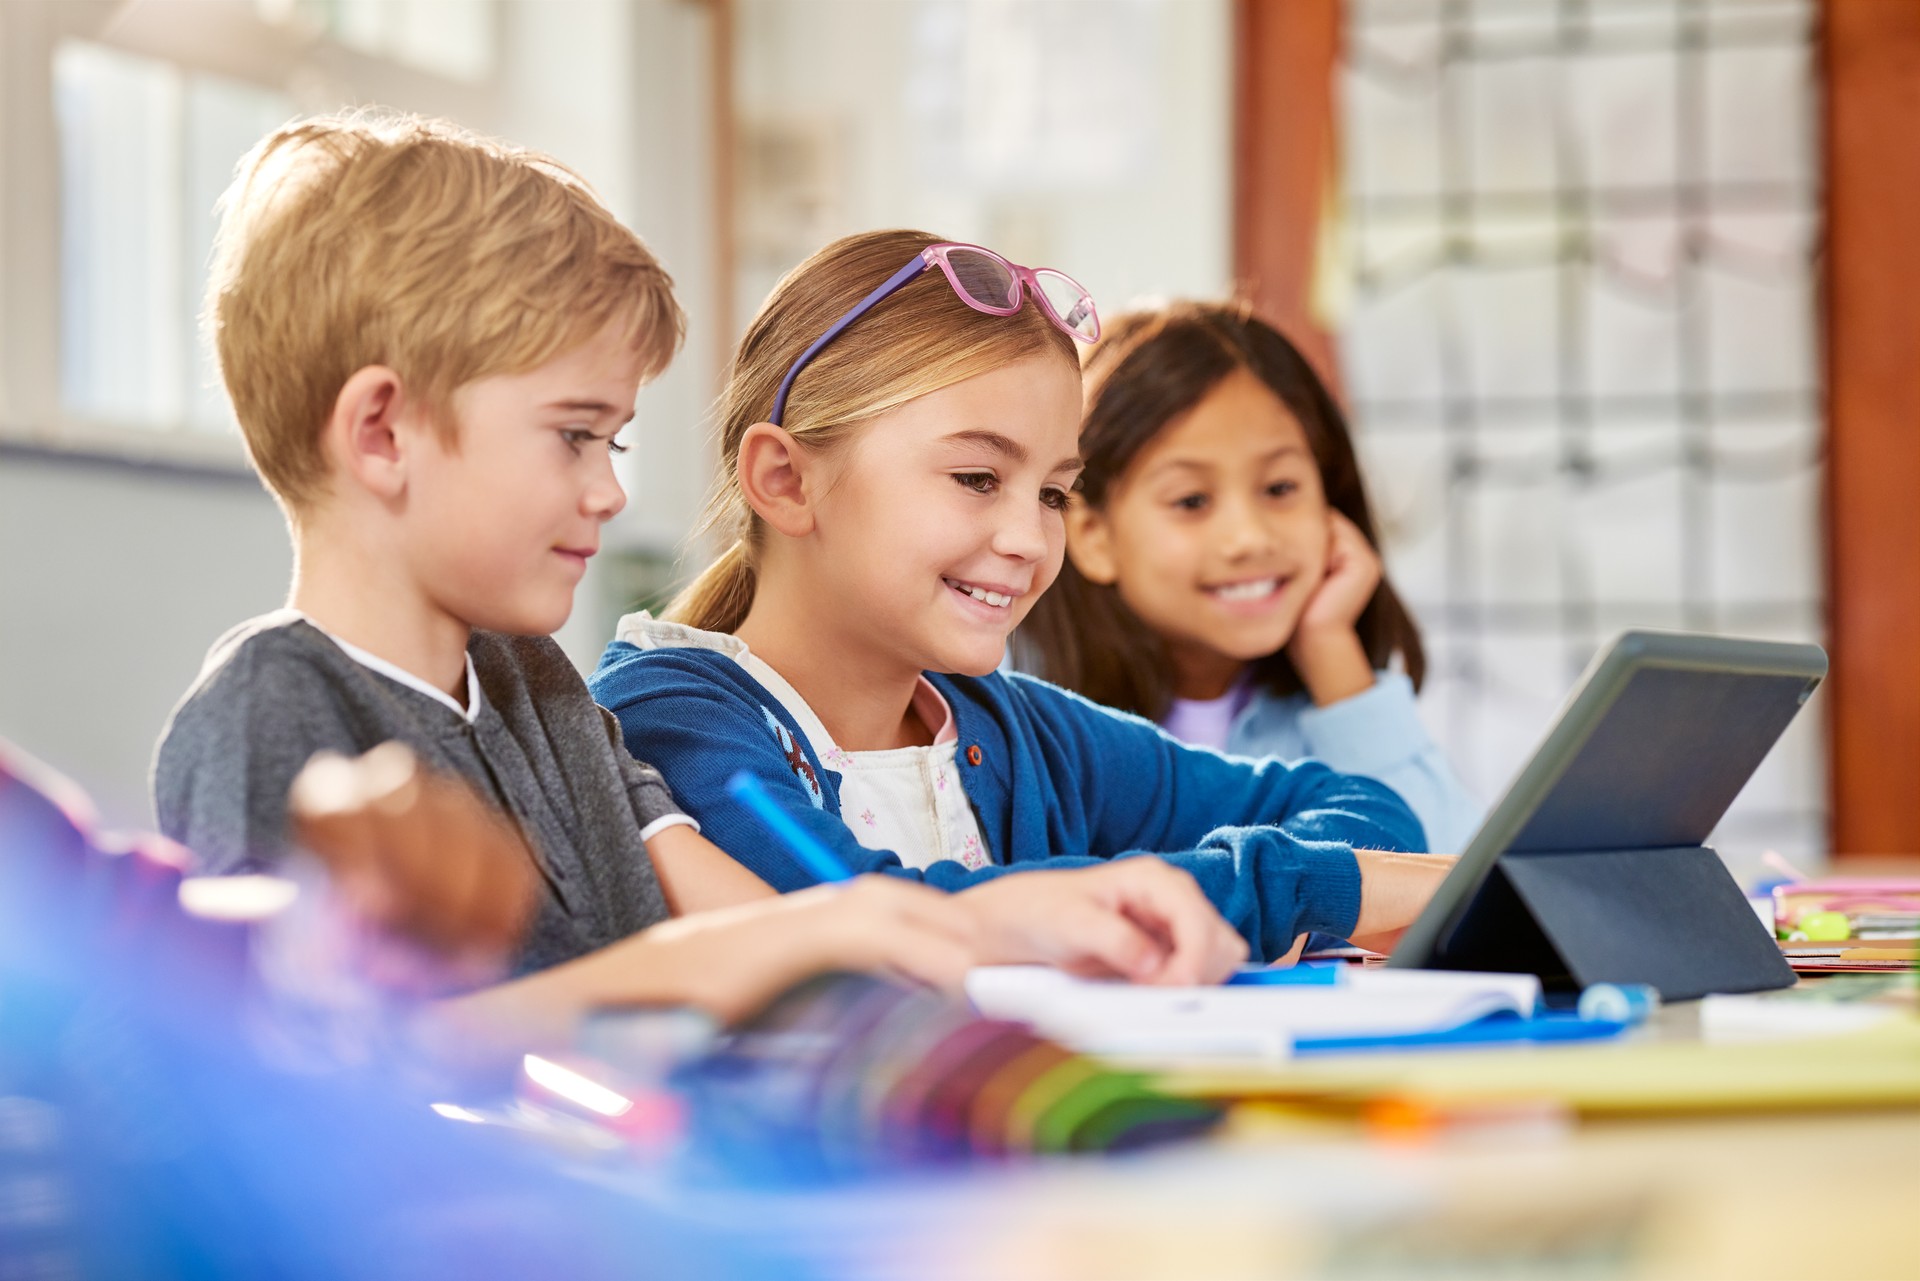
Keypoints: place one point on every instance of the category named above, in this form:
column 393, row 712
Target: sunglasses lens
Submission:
column 1070, row 302
column 983, row 278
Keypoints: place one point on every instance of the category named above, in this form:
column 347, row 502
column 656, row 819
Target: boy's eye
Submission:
column 1281, row 488
column 1191, row 503
column 980, row 482
column 579, row 437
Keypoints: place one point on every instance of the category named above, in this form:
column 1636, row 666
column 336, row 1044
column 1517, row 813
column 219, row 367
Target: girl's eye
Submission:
column 1281, row 488
column 980, row 482
column 1191, row 503
column 1056, row 499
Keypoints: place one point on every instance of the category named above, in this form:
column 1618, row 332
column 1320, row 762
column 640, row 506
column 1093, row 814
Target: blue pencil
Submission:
column 802, row 844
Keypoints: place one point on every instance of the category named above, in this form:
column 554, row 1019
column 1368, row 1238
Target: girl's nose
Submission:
column 1245, row 531
column 1022, row 531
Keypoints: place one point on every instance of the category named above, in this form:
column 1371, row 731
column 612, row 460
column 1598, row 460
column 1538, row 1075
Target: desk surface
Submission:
column 1286, row 1194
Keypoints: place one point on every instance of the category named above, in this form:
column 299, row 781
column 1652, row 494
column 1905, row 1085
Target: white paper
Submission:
column 1257, row 1022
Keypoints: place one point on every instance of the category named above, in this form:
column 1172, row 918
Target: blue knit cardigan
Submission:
column 1055, row 780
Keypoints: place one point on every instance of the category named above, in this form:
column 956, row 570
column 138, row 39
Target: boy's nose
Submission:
column 605, row 498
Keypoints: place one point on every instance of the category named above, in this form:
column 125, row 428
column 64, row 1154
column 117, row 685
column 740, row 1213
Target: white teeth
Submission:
column 1247, row 591
column 994, row 599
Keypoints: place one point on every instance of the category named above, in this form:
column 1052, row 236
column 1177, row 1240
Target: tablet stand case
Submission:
column 1591, row 890
column 1672, row 918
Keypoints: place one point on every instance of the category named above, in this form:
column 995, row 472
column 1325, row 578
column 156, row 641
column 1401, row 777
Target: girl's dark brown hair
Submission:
column 1151, row 367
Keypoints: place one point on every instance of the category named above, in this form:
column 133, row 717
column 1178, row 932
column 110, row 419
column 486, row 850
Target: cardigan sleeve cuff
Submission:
column 1330, row 892
column 1369, row 733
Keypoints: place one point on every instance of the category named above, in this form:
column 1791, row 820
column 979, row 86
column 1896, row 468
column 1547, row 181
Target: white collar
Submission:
column 643, row 631
column 401, row 675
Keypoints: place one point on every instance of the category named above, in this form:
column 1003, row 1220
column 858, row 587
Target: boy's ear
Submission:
column 1090, row 544
column 363, row 436
column 772, row 467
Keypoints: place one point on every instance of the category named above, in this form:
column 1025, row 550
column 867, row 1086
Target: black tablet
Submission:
column 1593, row 867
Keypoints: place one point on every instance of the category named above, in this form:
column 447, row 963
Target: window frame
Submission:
column 227, row 38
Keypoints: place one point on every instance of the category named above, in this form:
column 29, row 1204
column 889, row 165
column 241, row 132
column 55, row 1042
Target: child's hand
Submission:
column 1137, row 918
column 1325, row 650
column 732, row 961
column 1353, row 572
column 879, row 923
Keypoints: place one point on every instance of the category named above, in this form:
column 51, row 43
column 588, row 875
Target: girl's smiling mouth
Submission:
column 1248, row 591
column 995, row 597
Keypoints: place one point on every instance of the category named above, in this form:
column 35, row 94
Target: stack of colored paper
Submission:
column 1840, row 907
column 1806, row 958
column 849, row 1073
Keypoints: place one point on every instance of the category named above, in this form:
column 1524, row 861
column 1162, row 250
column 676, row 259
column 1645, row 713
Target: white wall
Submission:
column 619, row 91
column 113, row 582
column 1090, row 137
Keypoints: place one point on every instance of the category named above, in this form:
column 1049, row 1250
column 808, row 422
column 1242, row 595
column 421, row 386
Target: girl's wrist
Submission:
column 1394, row 889
column 1332, row 664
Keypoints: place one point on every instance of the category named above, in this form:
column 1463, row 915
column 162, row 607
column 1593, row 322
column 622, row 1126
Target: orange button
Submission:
column 974, row 756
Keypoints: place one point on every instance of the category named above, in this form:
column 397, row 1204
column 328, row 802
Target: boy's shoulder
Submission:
column 271, row 692
column 269, row 660
column 536, row 665
column 265, row 680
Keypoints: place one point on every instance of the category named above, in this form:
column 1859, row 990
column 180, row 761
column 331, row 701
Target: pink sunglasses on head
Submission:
column 985, row 282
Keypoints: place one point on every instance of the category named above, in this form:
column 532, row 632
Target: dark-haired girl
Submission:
column 1222, row 577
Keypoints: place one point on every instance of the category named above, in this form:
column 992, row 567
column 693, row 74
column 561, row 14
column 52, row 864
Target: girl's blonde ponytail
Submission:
column 718, row 600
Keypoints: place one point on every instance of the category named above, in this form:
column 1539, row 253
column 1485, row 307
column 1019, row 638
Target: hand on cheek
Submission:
column 1325, row 649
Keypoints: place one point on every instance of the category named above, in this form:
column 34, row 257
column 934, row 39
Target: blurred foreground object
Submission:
column 142, row 1134
column 418, row 856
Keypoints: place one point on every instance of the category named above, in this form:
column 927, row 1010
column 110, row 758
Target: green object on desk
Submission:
column 1825, row 927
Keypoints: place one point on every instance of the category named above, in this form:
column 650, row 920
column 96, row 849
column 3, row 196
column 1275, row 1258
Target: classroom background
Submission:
column 1621, row 296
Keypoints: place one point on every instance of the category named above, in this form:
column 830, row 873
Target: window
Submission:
column 453, row 38
column 147, row 109
column 145, row 150
column 1580, row 346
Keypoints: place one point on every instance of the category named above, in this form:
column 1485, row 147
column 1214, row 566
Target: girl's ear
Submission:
column 772, row 469
column 1090, row 544
column 363, row 438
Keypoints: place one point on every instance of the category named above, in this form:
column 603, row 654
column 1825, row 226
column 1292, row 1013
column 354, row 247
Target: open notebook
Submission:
column 1122, row 1020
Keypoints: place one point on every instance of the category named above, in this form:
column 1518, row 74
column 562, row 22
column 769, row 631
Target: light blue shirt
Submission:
column 1377, row 734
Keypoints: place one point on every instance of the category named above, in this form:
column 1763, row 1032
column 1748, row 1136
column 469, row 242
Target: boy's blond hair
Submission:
column 383, row 239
